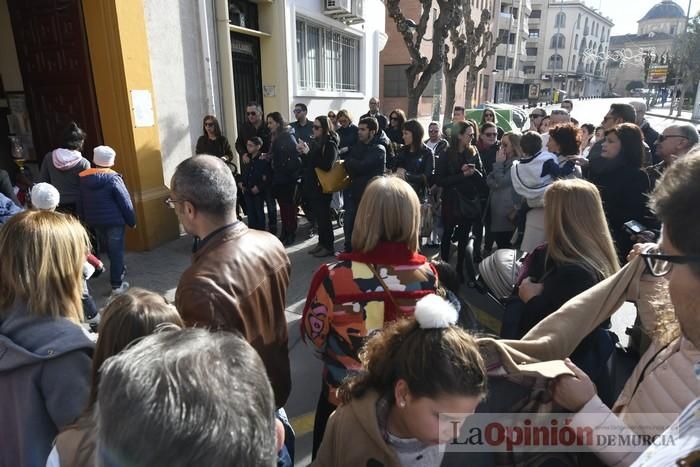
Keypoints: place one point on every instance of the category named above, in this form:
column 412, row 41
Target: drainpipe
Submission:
column 209, row 55
column 226, row 70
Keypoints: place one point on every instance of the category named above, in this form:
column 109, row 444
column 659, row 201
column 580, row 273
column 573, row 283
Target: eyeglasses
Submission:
column 296, row 111
column 331, row 116
column 662, row 138
column 394, row 118
column 209, row 125
column 169, row 202
column 537, row 116
column 251, row 113
column 490, row 134
column 660, row 264
column 433, row 130
column 316, row 127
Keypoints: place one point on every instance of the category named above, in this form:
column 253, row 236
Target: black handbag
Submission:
column 466, row 208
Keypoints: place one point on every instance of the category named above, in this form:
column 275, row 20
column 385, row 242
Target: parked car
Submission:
column 516, row 116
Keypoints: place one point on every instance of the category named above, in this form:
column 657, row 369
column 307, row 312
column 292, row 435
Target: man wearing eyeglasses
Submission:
column 618, row 113
column 252, row 127
column 675, row 141
column 536, row 117
column 302, row 127
column 666, row 378
column 239, row 276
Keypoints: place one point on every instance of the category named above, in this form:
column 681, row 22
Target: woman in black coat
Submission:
column 622, row 183
column 460, row 174
column 321, row 154
column 415, row 162
column 286, row 168
column 212, row 142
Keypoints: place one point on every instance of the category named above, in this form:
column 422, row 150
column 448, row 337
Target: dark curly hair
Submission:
column 567, row 137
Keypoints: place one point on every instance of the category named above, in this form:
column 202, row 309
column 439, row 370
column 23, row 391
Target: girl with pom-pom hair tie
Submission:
column 412, row 372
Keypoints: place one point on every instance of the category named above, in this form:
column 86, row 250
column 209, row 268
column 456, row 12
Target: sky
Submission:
column 626, row 13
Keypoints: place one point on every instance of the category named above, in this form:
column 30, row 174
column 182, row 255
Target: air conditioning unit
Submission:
column 337, row 6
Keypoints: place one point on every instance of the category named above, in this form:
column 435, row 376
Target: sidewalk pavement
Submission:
column 662, row 112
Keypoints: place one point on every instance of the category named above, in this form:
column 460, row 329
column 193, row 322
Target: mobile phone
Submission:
column 633, row 227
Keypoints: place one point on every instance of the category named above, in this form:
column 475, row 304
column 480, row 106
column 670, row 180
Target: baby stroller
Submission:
column 337, row 211
column 494, row 281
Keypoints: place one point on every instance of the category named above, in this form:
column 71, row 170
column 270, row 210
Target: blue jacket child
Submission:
column 105, row 205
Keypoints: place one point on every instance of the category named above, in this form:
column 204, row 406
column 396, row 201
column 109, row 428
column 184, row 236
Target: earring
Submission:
column 402, row 404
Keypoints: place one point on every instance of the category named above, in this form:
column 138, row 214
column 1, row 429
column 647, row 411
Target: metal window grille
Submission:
column 327, row 59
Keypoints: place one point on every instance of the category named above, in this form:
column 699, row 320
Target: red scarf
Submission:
column 387, row 253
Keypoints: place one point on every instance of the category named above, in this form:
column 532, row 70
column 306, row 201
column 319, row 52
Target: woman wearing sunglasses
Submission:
column 212, row 142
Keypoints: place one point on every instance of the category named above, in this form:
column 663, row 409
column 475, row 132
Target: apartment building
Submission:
column 566, row 49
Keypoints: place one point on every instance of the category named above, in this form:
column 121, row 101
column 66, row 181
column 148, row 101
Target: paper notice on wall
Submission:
column 142, row 106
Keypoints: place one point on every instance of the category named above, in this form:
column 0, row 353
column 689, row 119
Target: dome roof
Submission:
column 665, row 9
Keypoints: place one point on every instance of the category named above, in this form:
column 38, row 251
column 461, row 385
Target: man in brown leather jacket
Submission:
column 239, row 276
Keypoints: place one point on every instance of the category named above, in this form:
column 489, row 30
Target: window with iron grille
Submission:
column 327, row 59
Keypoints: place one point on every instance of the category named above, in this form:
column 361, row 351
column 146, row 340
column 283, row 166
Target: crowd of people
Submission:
column 603, row 214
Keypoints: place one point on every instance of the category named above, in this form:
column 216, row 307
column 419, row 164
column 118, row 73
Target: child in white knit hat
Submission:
column 45, row 197
column 105, row 205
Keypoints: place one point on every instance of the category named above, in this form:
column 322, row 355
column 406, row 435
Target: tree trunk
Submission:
column 471, row 86
column 413, row 101
column 450, row 92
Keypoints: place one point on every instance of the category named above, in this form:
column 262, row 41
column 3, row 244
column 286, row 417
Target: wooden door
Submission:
column 53, row 55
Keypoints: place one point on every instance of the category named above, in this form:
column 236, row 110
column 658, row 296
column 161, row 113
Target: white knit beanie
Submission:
column 103, row 156
column 45, row 196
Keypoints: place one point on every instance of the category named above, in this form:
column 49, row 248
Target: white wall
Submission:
column 182, row 86
column 371, row 30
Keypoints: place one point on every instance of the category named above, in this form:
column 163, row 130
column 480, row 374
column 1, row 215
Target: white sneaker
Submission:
column 120, row 290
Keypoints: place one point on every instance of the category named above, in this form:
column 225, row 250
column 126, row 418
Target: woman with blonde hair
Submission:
column 129, row 316
column 578, row 254
column 45, row 363
column 346, row 130
column 379, row 281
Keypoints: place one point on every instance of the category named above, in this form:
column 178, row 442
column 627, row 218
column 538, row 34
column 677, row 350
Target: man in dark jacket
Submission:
column 105, row 205
column 252, row 127
column 239, row 277
column 382, row 121
column 366, row 160
column 650, row 134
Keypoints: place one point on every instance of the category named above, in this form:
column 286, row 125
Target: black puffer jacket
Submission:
column 364, row 162
column 419, row 167
column 286, row 163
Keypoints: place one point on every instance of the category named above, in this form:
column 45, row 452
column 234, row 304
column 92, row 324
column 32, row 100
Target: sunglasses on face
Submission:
column 251, row 113
column 433, row 130
column 316, row 127
column 663, row 138
column 296, row 111
column 209, row 125
column 490, row 134
column 331, row 116
column 536, row 116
